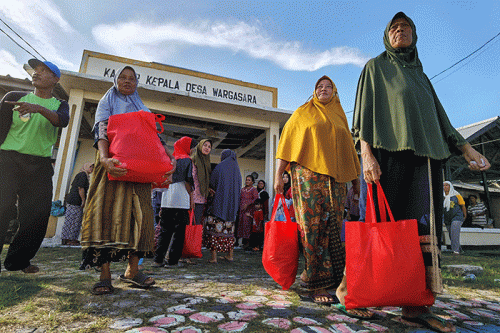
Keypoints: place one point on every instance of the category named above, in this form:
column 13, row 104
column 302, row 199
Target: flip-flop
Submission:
column 138, row 280
column 158, row 264
column 343, row 310
column 102, row 284
column 423, row 319
column 31, row 269
column 332, row 298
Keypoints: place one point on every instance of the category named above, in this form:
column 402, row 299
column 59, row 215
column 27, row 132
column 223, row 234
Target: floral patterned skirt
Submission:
column 218, row 235
column 319, row 205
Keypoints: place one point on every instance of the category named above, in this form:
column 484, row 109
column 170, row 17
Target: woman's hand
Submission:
column 279, row 184
column 168, row 174
column 110, row 165
column 173, row 161
column 477, row 162
column 168, row 179
column 371, row 168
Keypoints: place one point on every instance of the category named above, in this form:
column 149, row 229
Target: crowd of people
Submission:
column 400, row 129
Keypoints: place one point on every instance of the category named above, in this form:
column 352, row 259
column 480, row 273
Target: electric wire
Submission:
column 17, row 43
column 465, row 57
column 22, row 40
column 463, row 65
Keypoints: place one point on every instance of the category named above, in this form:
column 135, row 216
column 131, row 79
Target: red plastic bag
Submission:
column 384, row 262
column 192, row 239
column 281, row 247
column 133, row 140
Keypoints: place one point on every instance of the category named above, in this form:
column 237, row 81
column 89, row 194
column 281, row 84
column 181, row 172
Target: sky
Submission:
column 282, row 44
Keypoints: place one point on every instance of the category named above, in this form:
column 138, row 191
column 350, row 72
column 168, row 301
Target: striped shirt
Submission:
column 475, row 210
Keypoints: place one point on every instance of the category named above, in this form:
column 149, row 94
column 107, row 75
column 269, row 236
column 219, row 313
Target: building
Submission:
column 237, row 115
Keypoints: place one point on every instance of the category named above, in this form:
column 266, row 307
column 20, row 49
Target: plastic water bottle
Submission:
column 470, row 277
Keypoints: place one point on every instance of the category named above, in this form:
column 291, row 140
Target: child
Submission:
column 257, row 235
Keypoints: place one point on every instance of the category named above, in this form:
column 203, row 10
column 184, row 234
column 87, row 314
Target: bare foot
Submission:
column 341, row 291
column 425, row 317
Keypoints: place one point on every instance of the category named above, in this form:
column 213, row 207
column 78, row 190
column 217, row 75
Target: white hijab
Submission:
column 453, row 192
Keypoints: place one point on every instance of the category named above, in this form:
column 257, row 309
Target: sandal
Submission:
column 352, row 314
column 424, row 320
column 104, row 286
column 31, row 269
column 331, row 299
column 158, row 265
column 139, row 280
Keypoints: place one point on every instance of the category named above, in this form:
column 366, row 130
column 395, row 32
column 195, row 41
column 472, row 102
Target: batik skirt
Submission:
column 118, row 220
column 72, row 222
column 318, row 201
column 218, row 235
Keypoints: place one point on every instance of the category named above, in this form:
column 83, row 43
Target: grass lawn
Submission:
column 59, row 300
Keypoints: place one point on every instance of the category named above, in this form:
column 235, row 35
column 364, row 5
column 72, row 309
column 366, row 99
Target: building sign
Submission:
column 192, row 84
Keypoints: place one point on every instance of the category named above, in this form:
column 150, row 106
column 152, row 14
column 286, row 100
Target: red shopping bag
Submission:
column 384, row 262
column 281, row 247
column 133, row 140
column 192, row 239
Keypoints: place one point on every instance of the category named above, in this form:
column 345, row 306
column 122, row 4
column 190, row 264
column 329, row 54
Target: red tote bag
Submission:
column 280, row 256
column 133, row 140
column 384, row 262
column 192, row 238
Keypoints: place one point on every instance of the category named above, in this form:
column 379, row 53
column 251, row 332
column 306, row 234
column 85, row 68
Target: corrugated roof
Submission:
column 470, row 132
column 474, row 187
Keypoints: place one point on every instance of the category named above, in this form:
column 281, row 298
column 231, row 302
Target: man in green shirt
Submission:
column 29, row 125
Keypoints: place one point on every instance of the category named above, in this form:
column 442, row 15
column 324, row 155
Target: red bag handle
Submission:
column 159, row 118
column 191, row 217
column 280, row 197
column 383, row 205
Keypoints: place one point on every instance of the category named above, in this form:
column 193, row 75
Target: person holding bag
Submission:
column 118, row 218
column 316, row 145
column 175, row 205
column 405, row 135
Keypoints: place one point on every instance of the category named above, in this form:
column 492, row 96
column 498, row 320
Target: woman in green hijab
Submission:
column 403, row 131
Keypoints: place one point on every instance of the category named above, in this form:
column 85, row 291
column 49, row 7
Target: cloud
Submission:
column 41, row 23
column 10, row 66
column 136, row 38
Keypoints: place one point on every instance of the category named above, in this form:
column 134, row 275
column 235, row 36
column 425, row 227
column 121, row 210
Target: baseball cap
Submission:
column 53, row 68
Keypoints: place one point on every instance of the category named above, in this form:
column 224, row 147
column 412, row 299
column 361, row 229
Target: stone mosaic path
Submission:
column 237, row 297
column 197, row 303
column 266, row 311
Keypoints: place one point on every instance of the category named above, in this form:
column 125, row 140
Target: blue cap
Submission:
column 53, row 68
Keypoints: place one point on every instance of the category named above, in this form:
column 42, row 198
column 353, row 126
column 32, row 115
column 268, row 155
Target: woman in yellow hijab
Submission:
column 317, row 147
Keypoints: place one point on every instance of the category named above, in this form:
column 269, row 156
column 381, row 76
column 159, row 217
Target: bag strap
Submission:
column 159, row 118
column 191, row 217
column 383, row 205
column 280, row 198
